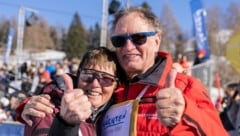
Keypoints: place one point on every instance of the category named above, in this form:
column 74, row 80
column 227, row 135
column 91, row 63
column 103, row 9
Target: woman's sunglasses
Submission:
column 104, row 79
column 136, row 38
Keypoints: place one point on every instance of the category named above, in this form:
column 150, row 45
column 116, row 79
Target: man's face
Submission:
column 136, row 59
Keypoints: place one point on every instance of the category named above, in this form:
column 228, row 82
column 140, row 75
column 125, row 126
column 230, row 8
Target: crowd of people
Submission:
column 28, row 81
column 134, row 90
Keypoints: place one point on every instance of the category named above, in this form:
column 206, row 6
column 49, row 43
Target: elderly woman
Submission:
column 97, row 78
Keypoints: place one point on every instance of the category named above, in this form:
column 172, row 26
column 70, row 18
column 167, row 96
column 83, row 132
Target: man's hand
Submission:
column 75, row 106
column 170, row 102
column 37, row 106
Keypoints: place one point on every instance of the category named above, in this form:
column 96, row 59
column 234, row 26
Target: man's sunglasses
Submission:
column 104, row 79
column 136, row 38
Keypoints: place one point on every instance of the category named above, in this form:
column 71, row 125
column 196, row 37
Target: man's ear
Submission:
column 158, row 40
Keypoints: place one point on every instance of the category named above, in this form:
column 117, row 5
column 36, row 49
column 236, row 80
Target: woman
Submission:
column 97, row 78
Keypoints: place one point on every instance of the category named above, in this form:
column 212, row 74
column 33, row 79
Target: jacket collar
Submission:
column 101, row 109
column 157, row 74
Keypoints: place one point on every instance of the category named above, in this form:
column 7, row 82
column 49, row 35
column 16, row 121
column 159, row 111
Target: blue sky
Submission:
column 60, row 12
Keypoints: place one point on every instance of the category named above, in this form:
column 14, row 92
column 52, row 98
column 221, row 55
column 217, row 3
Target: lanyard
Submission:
column 140, row 95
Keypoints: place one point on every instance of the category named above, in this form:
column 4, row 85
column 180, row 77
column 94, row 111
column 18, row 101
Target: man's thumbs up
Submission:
column 170, row 82
column 170, row 103
column 75, row 106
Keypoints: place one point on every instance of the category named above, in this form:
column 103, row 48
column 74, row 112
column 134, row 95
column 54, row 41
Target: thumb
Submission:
column 170, row 83
column 68, row 83
column 27, row 119
column 29, row 122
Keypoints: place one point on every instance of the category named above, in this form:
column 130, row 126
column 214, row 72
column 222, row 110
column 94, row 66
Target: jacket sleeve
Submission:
column 19, row 110
column 47, row 89
column 61, row 128
column 200, row 117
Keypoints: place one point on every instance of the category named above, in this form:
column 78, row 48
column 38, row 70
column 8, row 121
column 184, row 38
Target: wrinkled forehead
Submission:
column 131, row 23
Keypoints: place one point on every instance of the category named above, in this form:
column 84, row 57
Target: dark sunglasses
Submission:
column 136, row 38
column 104, row 79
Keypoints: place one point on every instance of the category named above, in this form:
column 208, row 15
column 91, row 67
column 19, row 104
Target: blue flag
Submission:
column 199, row 22
column 9, row 44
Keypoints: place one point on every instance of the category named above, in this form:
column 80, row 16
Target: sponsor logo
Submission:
column 199, row 26
column 110, row 121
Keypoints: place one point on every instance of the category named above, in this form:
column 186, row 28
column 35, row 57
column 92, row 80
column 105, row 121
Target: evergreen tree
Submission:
column 58, row 34
column 54, row 36
column 4, row 26
column 146, row 5
column 76, row 41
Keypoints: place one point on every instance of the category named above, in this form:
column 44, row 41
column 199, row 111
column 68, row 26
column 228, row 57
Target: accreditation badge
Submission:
column 121, row 119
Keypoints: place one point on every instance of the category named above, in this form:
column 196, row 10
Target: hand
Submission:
column 177, row 66
column 170, row 103
column 75, row 106
column 37, row 106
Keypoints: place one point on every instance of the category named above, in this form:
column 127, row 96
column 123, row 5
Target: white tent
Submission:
column 48, row 55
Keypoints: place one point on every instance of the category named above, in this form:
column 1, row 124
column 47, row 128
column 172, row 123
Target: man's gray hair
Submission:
column 146, row 14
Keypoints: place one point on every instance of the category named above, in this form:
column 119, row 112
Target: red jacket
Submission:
column 200, row 117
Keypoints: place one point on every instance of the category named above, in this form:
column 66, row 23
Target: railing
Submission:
column 11, row 129
column 204, row 72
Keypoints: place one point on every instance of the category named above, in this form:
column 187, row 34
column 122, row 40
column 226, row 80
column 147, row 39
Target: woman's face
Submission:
column 98, row 84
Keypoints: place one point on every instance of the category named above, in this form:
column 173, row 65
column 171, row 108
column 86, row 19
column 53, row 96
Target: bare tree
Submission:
column 4, row 25
column 214, row 17
column 232, row 17
column 218, row 21
column 37, row 37
column 172, row 34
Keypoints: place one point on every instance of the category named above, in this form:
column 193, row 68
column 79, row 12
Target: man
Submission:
column 185, row 110
column 162, row 109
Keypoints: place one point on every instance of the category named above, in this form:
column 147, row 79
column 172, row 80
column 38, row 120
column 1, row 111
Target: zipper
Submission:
column 126, row 90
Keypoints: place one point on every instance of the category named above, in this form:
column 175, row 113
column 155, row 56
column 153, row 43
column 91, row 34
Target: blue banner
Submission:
column 11, row 129
column 9, row 44
column 199, row 22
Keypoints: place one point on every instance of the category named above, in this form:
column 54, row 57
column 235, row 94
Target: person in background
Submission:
column 74, row 69
column 14, row 101
column 66, row 65
column 44, row 75
column 230, row 116
column 230, row 91
column 182, row 65
column 3, row 115
column 50, row 68
column 186, row 65
column 200, row 57
column 23, row 70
